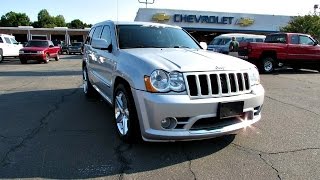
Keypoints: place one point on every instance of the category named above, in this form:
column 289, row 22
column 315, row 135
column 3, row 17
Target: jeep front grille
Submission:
column 220, row 84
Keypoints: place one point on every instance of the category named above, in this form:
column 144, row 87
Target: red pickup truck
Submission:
column 40, row 50
column 292, row 49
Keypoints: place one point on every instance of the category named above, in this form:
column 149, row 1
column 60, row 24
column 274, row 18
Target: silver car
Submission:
column 164, row 87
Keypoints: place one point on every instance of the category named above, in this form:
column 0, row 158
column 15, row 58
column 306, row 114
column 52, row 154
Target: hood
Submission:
column 33, row 48
column 187, row 60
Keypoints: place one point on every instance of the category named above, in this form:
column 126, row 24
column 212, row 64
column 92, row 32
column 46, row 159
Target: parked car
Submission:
column 9, row 47
column 164, row 87
column 40, row 50
column 76, row 47
column 221, row 43
column 292, row 49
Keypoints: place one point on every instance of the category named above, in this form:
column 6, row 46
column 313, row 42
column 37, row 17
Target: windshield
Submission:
column 138, row 36
column 220, row 41
column 37, row 44
column 76, row 44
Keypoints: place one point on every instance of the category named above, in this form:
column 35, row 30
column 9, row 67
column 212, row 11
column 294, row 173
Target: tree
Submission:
column 13, row 19
column 44, row 19
column 308, row 24
column 60, row 21
column 76, row 24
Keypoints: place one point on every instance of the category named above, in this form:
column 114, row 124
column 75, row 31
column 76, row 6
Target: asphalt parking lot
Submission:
column 48, row 129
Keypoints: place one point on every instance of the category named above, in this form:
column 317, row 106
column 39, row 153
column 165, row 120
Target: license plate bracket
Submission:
column 230, row 109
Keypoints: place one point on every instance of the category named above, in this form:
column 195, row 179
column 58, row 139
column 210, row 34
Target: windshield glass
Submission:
column 220, row 41
column 138, row 36
column 37, row 44
column 76, row 44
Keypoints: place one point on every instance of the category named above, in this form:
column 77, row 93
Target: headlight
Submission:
column 162, row 81
column 40, row 52
column 254, row 76
column 21, row 52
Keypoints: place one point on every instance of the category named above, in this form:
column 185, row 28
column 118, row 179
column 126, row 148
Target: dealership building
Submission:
column 203, row 25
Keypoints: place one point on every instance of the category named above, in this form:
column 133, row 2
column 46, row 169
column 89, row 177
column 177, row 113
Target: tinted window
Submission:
column 37, row 44
column 97, row 32
column 14, row 41
column 1, row 41
column 141, row 36
column 78, row 44
column 89, row 37
column 259, row 40
column 295, row 39
column 106, row 34
column 220, row 41
column 306, row 40
column 7, row 40
column 276, row 38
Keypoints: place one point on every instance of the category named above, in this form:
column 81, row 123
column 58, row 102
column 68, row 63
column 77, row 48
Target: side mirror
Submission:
column 204, row 45
column 51, row 46
column 101, row 44
column 316, row 42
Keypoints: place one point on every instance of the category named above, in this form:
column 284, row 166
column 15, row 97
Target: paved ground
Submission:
column 48, row 129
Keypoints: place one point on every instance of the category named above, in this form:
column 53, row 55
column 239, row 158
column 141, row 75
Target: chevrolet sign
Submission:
column 159, row 17
column 245, row 22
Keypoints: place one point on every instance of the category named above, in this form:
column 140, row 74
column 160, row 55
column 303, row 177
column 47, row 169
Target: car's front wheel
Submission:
column 57, row 58
column 125, row 115
column 47, row 58
column 87, row 86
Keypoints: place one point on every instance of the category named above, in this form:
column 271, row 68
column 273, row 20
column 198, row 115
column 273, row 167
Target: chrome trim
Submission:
column 102, row 94
column 218, row 76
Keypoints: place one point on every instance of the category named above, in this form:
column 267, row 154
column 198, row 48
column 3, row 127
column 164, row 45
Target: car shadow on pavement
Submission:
column 40, row 73
column 292, row 71
column 62, row 134
column 76, row 56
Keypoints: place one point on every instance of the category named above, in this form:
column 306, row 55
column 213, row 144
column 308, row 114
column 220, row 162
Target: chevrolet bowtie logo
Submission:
column 245, row 22
column 160, row 17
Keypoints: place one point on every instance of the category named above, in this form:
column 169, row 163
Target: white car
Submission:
column 9, row 47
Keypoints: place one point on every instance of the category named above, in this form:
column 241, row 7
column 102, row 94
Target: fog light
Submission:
column 169, row 123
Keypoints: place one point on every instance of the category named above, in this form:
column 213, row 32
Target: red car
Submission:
column 292, row 49
column 40, row 50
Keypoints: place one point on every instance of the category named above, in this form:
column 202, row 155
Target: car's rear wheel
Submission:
column 47, row 59
column 267, row 65
column 87, row 86
column 125, row 115
column 57, row 58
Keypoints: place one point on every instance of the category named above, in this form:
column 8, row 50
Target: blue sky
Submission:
column 93, row 11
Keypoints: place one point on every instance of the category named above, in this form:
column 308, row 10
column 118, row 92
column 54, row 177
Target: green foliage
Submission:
column 308, row 24
column 45, row 20
column 13, row 19
column 76, row 24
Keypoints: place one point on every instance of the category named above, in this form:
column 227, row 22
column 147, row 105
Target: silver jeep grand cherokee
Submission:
column 164, row 87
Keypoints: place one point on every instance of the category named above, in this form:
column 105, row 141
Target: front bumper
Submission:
column 152, row 108
column 39, row 57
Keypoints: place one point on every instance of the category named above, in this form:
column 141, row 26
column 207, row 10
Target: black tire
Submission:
column 295, row 67
column 267, row 65
column 47, row 58
column 129, row 112
column 57, row 58
column 88, row 89
column 1, row 55
column 23, row 61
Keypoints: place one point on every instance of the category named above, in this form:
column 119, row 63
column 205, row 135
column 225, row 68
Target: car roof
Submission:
column 242, row 35
column 7, row 35
column 135, row 23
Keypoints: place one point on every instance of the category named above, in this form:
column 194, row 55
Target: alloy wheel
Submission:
column 121, row 113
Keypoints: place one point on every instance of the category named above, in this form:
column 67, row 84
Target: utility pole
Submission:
column 315, row 7
column 146, row 2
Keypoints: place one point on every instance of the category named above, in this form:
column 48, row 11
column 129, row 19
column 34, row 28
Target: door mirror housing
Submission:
column 51, row 46
column 101, row 44
column 204, row 45
column 316, row 42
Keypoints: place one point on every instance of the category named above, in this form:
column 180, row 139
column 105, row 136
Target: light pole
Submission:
column 146, row 2
column 315, row 7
